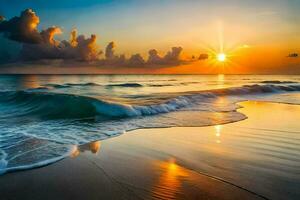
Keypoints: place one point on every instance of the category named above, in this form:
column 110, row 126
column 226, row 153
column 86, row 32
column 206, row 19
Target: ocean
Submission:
column 42, row 117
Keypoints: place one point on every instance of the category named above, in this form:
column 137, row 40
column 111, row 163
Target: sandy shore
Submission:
column 257, row 158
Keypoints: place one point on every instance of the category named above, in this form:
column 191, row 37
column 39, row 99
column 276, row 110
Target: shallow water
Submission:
column 42, row 117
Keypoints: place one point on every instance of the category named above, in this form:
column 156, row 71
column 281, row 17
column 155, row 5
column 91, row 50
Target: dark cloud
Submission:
column 109, row 51
column 154, row 58
column 293, row 55
column 23, row 28
column 87, row 48
column 203, row 56
column 80, row 48
column 136, row 60
column 173, row 56
column 42, row 45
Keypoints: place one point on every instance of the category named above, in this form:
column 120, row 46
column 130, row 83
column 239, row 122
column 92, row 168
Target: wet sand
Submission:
column 257, row 158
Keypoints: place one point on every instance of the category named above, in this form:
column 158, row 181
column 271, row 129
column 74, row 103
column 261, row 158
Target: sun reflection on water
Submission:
column 170, row 180
column 218, row 129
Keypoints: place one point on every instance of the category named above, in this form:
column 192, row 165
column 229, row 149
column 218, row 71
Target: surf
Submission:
column 48, row 105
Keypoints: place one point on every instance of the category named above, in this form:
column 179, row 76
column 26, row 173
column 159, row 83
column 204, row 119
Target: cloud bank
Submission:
column 42, row 45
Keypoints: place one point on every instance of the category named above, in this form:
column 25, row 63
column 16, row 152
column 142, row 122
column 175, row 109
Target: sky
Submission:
column 257, row 35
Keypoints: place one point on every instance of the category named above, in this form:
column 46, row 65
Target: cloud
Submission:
column 23, row 28
column 136, row 60
column 73, row 38
column 293, row 55
column 154, row 58
column 79, row 48
column 203, row 56
column 172, row 57
column 48, row 35
column 109, row 51
column 87, row 48
column 42, row 45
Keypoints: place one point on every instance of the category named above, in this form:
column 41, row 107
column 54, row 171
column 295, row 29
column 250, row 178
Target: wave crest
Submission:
column 64, row 106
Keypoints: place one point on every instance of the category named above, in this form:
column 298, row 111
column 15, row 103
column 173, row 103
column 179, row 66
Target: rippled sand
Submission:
column 252, row 159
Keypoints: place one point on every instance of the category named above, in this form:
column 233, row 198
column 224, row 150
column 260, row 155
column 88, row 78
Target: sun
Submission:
column 221, row 57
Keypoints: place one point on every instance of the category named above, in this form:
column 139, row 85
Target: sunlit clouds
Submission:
column 43, row 45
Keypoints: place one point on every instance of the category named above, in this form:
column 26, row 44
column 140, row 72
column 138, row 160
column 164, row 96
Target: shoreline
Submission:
column 168, row 162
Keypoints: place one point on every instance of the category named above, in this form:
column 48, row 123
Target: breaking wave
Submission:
column 47, row 105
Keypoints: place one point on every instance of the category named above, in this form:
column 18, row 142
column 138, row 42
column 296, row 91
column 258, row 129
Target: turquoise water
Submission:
column 42, row 117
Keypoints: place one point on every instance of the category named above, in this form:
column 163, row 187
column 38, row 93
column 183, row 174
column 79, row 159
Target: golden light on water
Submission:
column 170, row 181
column 218, row 130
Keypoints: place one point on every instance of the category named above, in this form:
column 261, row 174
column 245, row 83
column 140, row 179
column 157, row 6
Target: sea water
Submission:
column 43, row 116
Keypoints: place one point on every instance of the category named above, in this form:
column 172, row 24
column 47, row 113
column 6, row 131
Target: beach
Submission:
column 150, row 100
column 241, row 160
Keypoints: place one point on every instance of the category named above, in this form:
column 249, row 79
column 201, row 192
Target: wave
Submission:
column 174, row 84
column 54, row 121
column 68, row 106
column 128, row 84
column 278, row 82
column 47, row 105
column 82, row 84
column 57, row 85
column 67, row 85
column 159, row 85
column 258, row 89
column 136, row 85
column 38, row 88
column 125, row 85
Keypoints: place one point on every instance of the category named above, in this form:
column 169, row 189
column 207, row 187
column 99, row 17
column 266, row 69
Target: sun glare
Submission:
column 221, row 57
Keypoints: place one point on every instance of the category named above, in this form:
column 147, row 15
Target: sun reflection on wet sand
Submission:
column 170, row 180
column 93, row 147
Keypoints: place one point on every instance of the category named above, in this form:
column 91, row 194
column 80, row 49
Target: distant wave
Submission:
column 258, row 89
column 125, row 85
column 38, row 88
column 67, row 85
column 278, row 82
column 174, row 84
column 159, row 85
column 136, row 85
column 82, row 84
column 57, row 85
column 128, row 84
column 64, row 106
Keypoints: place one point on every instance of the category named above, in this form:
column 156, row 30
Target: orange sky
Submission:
column 257, row 36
